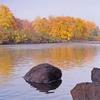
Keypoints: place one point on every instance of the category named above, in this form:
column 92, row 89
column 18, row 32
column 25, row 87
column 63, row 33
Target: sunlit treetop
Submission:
column 7, row 20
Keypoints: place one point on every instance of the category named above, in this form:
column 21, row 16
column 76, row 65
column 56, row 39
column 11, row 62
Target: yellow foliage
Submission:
column 7, row 19
column 64, row 28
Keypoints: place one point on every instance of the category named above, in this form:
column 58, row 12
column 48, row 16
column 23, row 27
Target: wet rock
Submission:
column 86, row 91
column 43, row 73
column 46, row 87
column 95, row 75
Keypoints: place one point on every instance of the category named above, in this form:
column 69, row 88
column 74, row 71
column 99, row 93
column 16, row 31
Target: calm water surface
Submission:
column 76, row 61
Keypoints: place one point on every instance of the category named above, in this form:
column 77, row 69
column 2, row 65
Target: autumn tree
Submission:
column 43, row 30
column 72, row 28
column 7, row 20
column 41, row 25
column 62, row 27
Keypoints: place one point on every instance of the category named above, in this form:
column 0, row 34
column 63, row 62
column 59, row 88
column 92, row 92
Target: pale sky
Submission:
column 30, row 9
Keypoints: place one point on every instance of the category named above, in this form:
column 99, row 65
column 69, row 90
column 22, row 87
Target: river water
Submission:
column 76, row 61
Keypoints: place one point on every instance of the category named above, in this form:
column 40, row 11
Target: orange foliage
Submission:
column 65, row 28
column 51, row 29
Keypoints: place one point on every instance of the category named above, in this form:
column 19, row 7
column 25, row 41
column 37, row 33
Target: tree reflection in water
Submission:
column 64, row 57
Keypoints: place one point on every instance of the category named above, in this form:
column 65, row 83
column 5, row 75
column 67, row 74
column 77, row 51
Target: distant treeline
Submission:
column 44, row 30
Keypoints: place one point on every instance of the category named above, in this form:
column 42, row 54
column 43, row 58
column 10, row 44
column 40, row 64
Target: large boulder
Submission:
column 95, row 75
column 86, row 91
column 43, row 73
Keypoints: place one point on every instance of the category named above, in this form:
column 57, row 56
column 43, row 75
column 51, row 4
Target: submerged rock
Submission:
column 86, row 91
column 95, row 75
column 43, row 73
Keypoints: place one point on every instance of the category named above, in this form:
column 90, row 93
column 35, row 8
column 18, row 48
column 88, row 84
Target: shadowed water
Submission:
column 76, row 60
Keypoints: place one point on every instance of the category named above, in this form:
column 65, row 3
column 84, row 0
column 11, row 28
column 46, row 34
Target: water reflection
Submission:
column 16, row 61
column 46, row 87
column 5, row 62
column 63, row 57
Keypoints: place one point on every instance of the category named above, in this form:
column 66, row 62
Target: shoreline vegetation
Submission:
column 63, row 42
column 61, row 29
